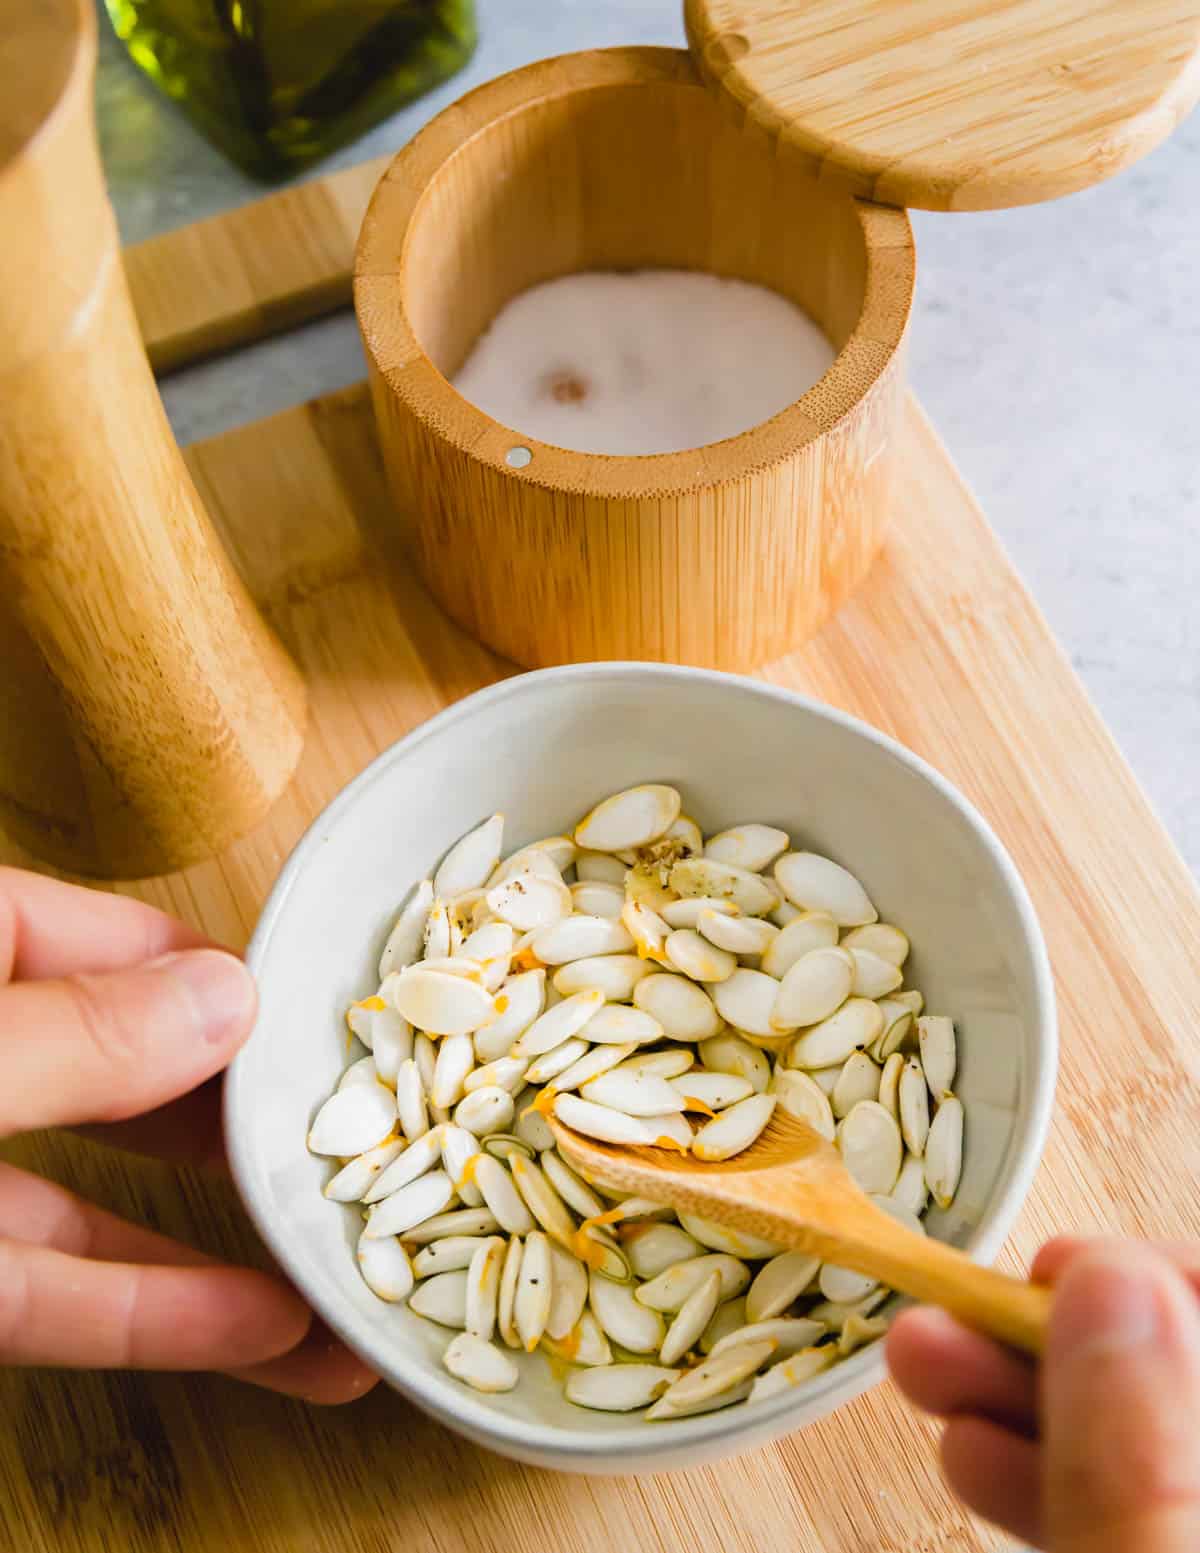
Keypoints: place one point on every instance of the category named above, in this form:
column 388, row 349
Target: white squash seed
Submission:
column 542, row 1200
column 446, row 1256
column 385, row 1267
column 914, row 1107
column 718, row 1374
column 910, row 1189
column 356, row 1178
column 711, row 1092
column 599, row 866
column 790, row 1334
column 618, row 1388
column 814, row 988
column 668, row 1291
column 749, row 892
column 652, row 1248
column 569, row 1292
column 408, row 1165
column 549, row 1066
column 411, row 1205
column 801, row 1367
column 625, row 1320
column 854, row 1026
column 665, row 1061
column 889, row 1084
column 535, row 1289
column 874, row 977
column 800, row 935
column 730, row 1317
column 506, row 1323
column 442, row 1298
column 572, row 1188
column 730, row 1053
column 737, row 935
column 858, row 1080
column 801, row 1096
column 463, row 1221
column 816, row 883
column 485, row 1110
column 353, row 1120
column 719, row 1237
column 637, row 1094
column 391, row 1044
column 480, row 1364
column 407, row 937
column 779, row 1283
column 629, row 819
column 483, row 1287
column 734, row 1129
column 843, row 1285
column 615, row 975
column 747, row 1000
column 748, row 846
column 687, row 911
column 579, row 938
column 517, row 1005
column 595, row 899
column 470, row 860
column 601, row 1122
column 596, row 1060
column 529, row 901
column 871, row 1147
column 943, row 1151
column 558, row 1024
column 689, row 1323
column 685, row 1011
column 505, row 1073
column 939, row 1053
column 440, row 1003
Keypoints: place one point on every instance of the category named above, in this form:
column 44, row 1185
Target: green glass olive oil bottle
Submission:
column 277, row 84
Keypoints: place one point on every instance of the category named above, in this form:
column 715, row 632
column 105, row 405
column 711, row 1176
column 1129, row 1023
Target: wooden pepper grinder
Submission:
column 147, row 714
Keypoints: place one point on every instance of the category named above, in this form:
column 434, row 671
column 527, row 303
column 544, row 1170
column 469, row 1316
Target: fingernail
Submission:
column 1105, row 1301
column 219, row 988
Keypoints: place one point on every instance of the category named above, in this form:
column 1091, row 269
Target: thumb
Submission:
column 1121, row 1406
column 102, row 1048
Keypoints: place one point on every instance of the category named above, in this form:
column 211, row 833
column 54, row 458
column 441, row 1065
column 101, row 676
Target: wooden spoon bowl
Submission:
column 790, row 1186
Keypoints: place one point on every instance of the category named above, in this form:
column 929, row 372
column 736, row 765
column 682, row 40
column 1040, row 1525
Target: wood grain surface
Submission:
column 953, row 104
column 941, row 647
column 250, row 272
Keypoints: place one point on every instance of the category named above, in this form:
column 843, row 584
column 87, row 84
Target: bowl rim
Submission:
column 459, row 1408
column 402, row 368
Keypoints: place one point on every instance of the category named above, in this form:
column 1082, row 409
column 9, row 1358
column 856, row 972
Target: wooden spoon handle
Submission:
column 1016, row 1312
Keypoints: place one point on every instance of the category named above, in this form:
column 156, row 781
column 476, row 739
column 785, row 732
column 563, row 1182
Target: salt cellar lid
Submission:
column 956, row 104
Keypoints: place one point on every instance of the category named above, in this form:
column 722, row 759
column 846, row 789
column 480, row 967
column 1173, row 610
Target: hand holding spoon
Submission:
column 790, row 1186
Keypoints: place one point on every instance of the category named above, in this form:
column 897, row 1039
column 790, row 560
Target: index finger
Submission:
column 48, row 929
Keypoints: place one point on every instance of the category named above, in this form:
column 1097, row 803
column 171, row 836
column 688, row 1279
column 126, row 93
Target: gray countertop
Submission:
column 1057, row 349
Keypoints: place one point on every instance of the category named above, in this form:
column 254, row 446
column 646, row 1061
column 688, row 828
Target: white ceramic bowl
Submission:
column 542, row 748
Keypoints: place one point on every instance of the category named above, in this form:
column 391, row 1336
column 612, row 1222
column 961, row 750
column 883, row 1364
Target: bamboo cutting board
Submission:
column 943, row 648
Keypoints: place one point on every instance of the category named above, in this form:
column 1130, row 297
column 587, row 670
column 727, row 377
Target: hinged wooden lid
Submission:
column 957, row 104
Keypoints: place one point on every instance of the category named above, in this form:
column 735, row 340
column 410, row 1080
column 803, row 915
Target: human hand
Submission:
column 1099, row 1452
column 113, row 1013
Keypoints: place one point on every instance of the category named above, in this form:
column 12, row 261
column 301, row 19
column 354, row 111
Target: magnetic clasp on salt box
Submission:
column 778, row 153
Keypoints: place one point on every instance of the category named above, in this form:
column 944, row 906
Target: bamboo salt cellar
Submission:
column 148, row 716
column 780, row 150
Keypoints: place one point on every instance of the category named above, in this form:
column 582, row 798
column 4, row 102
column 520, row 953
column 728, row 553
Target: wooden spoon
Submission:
column 790, row 1186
